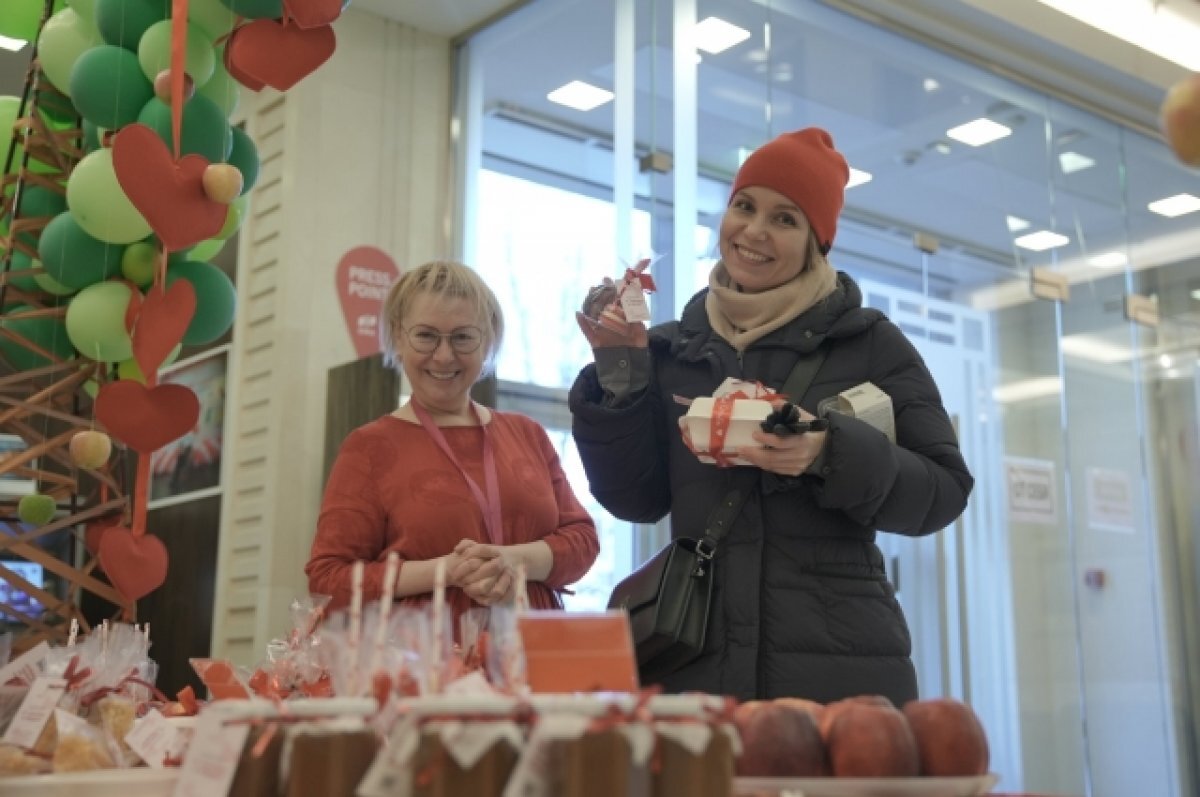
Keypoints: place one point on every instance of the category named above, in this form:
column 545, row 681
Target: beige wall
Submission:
column 356, row 154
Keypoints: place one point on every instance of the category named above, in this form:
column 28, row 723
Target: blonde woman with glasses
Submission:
column 444, row 478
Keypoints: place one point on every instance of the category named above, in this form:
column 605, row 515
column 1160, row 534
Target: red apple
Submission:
column 871, row 741
column 950, row 739
column 779, row 740
column 1180, row 118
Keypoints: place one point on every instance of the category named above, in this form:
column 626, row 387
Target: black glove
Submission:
column 786, row 420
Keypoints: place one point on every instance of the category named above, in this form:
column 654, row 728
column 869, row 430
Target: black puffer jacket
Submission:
column 802, row 606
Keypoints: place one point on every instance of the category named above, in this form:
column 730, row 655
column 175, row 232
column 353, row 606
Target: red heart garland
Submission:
column 168, row 193
column 93, row 534
column 312, row 13
column 135, row 564
column 146, row 418
column 278, row 55
column 238, row 74
column 161, row 323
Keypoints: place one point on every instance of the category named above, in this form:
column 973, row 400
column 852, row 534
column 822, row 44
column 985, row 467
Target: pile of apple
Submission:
column 860, row 737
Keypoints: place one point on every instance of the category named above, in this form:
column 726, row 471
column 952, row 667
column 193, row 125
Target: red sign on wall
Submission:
column 364, row 275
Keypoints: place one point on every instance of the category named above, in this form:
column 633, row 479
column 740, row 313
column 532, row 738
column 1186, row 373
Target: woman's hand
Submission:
column 600, row 336
column 787, row 455
column 487, row 573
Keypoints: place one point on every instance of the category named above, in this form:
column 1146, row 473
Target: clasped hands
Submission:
column 487, row 573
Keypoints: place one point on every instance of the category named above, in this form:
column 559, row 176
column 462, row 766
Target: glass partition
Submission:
column 1004, row 230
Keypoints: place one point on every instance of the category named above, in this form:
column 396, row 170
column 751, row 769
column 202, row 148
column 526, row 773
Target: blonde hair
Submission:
column 441, row 279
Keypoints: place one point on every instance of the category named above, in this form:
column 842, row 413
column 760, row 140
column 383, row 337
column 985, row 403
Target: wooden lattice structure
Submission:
column 44, row 406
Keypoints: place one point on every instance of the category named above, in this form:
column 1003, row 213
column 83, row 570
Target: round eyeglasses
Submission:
column 426, row 340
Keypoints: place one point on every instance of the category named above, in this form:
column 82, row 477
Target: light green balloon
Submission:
column 96, row 322
column 65, row 37
column 211, row 16
column 100, row 206
column 51, row 285
column 85, row 9
column 206, row 250
column 234, row 217
column 139, row 262
column 154, row 53
column 222, row 89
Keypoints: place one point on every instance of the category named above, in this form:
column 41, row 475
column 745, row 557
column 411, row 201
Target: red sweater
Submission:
column 392, row 489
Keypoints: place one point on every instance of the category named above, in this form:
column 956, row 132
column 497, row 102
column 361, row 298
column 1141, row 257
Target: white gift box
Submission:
column 745, row 416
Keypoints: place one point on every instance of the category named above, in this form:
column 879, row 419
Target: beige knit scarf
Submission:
column 742, row 318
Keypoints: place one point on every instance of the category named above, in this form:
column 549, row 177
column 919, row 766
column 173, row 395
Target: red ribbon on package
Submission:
column 718, row 426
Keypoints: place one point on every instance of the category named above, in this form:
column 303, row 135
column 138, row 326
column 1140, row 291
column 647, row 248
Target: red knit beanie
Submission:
column 805, row 168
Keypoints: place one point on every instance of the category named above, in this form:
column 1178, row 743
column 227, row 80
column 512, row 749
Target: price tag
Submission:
column 212, row 757
column 35, row 711
column 155, row 739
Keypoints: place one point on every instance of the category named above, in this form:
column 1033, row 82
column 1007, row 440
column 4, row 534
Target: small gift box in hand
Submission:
column 627, row 304
column 720, row 424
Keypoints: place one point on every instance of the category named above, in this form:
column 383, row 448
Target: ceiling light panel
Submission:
column 1177, row 205
column 714, row 35
column 1042, row 240
column 858, row 177
column 979, row 132
column 580, row 96
column 1072, row 162
column 1016, row 224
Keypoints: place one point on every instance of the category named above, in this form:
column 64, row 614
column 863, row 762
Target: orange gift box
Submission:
column 578, row 652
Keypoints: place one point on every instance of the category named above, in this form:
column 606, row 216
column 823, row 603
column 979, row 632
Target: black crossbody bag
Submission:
column 669, row 598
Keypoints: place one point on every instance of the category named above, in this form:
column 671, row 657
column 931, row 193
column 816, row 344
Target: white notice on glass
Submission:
column 1032, row 491
column 1110, row 500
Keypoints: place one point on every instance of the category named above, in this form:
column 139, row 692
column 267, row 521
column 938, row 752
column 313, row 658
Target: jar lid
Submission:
column 499, row 705
column 592, row 704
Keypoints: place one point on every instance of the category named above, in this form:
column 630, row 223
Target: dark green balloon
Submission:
column 20, row 262
column 48, row 333
column 122, row 22
column 205, row 130
column 39, row 202
column 74, row 258
column 244, row 156
column 256, row 9
column 108, row 86
column 216, row 300
column 91, row 136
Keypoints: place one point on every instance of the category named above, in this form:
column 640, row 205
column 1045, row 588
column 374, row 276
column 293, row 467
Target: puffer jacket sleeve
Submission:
column 919, row 484
column 623, row 449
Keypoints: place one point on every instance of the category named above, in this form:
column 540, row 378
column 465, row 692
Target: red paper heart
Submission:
column 312, row 13
column 146, row 418
column 278, row 55
column 94, row 532
column 163, row 319
column 236, row 72
column 168, row 193
column 136, row 566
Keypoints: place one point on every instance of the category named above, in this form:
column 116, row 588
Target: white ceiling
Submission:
column 444, row 17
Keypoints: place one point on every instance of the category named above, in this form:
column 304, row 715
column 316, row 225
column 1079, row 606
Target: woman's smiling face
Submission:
column 764, row 239
column 442, row 378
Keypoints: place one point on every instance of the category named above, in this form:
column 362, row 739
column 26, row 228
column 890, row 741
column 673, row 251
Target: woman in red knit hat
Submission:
column 801, row 606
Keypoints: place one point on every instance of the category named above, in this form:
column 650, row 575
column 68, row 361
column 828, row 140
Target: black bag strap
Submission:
column 803, row 373
column 720, row 520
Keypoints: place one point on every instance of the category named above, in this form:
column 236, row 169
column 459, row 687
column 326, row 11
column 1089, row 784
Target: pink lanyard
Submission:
column 489, row 505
